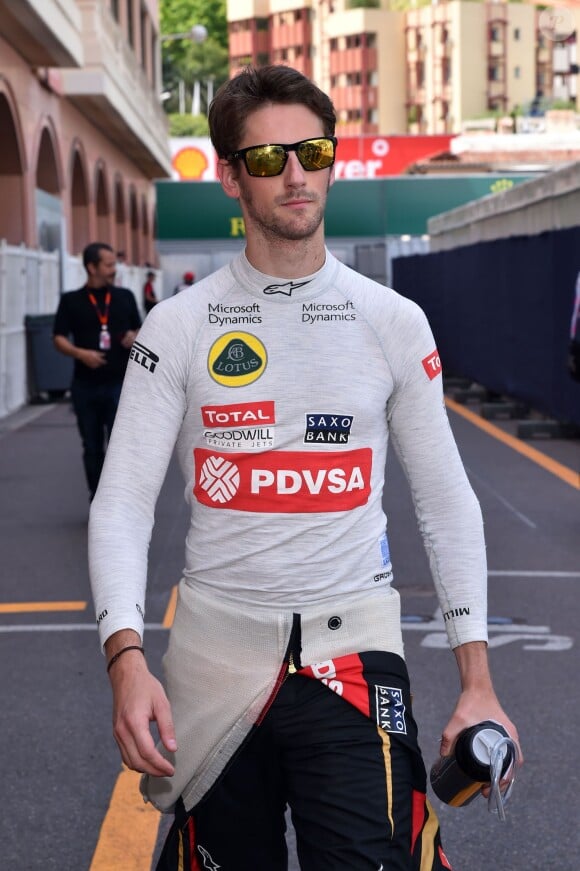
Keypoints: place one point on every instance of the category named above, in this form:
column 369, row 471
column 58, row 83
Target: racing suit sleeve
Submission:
column 146, row 426
column 447, row 510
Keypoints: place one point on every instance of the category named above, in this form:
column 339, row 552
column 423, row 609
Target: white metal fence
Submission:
column 30, row 282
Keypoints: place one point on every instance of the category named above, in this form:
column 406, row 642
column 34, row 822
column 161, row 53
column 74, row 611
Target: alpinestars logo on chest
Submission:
column 286, row 289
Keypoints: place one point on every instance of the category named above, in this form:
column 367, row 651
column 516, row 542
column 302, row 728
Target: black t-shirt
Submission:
column 77, row 317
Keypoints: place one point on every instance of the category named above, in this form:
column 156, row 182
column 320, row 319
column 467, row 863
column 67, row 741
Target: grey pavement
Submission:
column 58, row 760
column 56, row 676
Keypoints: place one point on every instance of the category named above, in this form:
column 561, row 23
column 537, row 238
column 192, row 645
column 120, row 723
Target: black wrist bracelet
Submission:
column 123, row 650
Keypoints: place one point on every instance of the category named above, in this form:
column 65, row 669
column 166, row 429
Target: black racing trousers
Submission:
column 338, row 745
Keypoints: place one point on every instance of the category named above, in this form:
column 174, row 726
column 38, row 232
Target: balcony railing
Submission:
column 113, row 91
column 353, row 60
column 47, row 33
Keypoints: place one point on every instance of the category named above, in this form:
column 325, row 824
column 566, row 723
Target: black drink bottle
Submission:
column 457, row 779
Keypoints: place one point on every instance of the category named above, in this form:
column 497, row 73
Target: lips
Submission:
column 300, row 202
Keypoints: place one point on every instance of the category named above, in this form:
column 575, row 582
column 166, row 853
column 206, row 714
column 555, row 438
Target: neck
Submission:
column 286, row 258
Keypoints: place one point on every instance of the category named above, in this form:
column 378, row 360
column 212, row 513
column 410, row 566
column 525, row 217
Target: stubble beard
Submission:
column 290, row 228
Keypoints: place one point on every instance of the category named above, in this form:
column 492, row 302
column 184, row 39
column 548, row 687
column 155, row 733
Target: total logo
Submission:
column 242, row 427
column 283, row 481
column 239, row 414
column 432, row 364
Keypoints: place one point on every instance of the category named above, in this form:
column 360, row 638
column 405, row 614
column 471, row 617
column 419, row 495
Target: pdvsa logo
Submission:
column 237, row 359
column 283, row 481
column 219, row 479
column 326, row 673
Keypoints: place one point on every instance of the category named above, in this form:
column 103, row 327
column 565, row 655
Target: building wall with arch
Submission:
column 56, row 165
column 82, row 139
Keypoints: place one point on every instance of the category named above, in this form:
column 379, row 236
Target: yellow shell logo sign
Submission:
column 190, row 163
column 237, row 359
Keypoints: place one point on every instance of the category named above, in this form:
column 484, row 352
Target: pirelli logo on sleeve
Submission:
column 143, row 356
column 278, row 482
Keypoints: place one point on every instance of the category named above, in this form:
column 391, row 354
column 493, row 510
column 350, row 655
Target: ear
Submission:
column 228, row 176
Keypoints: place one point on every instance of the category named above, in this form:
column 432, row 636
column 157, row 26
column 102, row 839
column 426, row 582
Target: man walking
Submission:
column 149, row 296
column 280, row 380
column 96, row 325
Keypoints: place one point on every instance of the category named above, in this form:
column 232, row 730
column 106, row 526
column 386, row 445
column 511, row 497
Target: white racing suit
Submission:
column 280, row 397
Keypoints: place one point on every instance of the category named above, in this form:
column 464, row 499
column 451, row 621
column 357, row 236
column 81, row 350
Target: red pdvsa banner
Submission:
column 193, row 158
column 376, row 156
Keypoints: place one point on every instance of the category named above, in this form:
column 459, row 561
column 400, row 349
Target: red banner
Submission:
column 194, row 159
column 376, row 156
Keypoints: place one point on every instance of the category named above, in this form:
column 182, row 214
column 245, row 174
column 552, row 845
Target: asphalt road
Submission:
column 59, row 764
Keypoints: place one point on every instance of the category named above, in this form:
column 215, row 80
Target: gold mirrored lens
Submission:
column 316, row 153
column 268, row 160
column 265, row 160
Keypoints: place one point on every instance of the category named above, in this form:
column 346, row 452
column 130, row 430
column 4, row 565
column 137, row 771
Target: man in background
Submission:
column 149, row 296
column 96, row 326
column 188, row 279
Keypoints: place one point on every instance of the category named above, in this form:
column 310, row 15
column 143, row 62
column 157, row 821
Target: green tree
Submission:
column 364, row 4
column 188, row 125
column 187, row 61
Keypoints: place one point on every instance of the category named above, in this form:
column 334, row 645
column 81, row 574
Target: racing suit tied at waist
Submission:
column 222, row 665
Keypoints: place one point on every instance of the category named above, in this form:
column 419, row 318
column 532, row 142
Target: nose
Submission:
column 293, row 171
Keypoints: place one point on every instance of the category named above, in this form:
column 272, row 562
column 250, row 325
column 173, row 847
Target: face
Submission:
column 289, row 206
column 104, row 272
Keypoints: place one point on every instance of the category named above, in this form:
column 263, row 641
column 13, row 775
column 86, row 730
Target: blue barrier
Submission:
column 501, row 312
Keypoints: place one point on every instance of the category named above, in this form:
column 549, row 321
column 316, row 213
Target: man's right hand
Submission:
column 92, row 359
column 86, row 356
column 138, row 700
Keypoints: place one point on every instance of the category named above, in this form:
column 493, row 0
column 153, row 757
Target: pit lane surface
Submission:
column 66, row 802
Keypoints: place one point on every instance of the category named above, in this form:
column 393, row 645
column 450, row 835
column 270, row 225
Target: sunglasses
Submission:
column 266, row 161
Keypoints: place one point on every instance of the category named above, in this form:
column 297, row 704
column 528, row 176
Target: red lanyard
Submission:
column 103, row 317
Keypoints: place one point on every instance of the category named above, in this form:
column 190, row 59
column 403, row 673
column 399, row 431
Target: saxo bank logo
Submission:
column 237, row 359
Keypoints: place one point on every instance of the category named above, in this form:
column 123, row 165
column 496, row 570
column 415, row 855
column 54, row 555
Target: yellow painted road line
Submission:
column 170, row 612
column 129, row 831
column 30, row 607
column 569, row 476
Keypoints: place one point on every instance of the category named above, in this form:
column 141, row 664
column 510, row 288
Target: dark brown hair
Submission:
column 92, row 253
column 255, row 87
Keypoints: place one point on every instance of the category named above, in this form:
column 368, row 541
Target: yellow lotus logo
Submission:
column 237, row 359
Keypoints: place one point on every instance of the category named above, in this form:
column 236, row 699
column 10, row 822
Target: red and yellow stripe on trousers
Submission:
column 377, row 684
